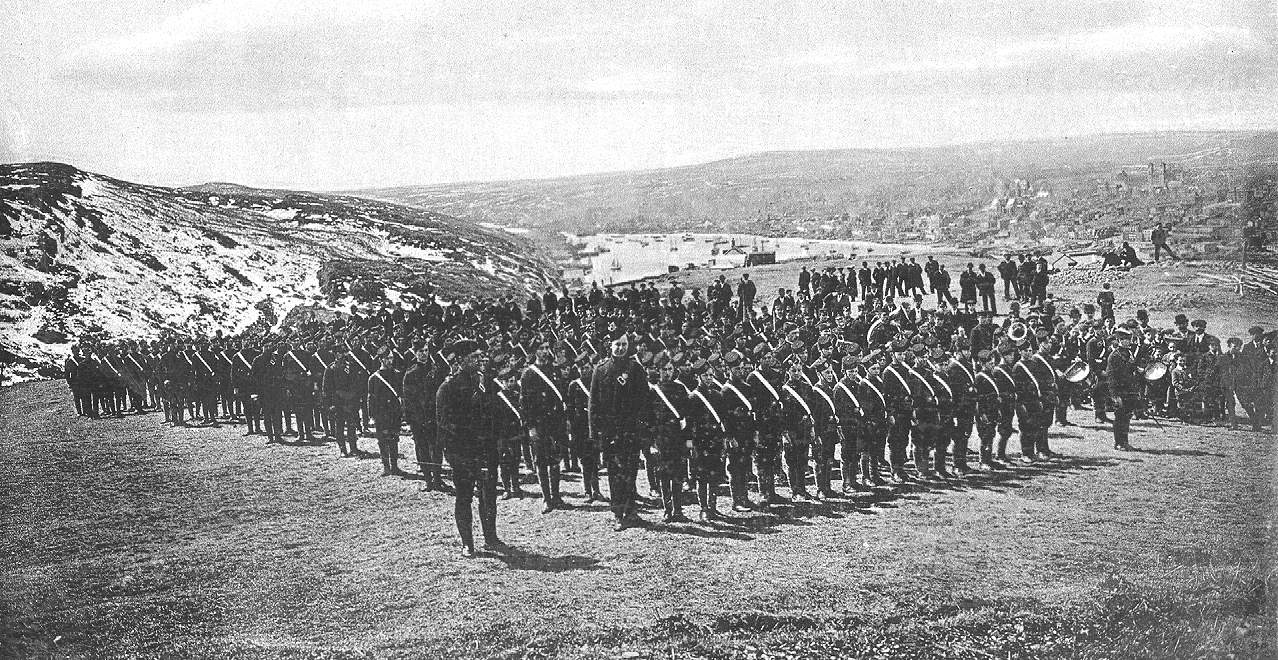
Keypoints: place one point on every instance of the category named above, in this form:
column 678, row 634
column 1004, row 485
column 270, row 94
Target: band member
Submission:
column 1124, row 383
column 464, row 406
column 545, row 412
column 618, row 391
column 708, row 430
column 739, row 414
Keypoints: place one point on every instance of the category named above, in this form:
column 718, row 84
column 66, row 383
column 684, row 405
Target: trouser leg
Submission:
column 796, row 461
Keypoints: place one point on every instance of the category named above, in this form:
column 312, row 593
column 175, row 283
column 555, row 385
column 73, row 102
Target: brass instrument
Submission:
column 1018, row 333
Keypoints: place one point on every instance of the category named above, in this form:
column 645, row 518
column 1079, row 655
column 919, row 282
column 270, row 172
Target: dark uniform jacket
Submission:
column 464, row 408
column 1120, row 374
column 618, row 393
column 541, row 400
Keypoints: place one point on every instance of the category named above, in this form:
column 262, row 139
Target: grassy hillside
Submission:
column 81, row 253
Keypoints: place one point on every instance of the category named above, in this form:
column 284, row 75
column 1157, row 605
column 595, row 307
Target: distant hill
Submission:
column 82, row 253
column 776, row 189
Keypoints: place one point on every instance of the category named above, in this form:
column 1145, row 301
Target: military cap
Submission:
column 698, row 367
column 985, row 355
column 1181, row 319
column 919, row 349
column 1042, row 333
column 930, row 341
column 850, row 361
column 1122, row 332
column 464, row 347
column 1199, row 323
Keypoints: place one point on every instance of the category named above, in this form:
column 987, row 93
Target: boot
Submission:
column 543, row 479
column 938, row 462
column 555, row 480
column 462, row 514
column 676, row 502
column 869, row 475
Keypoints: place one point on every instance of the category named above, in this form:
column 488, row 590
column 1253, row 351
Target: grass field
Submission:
column 127, row 538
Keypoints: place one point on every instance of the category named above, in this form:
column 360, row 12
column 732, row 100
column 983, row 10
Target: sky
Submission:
column 346, row 94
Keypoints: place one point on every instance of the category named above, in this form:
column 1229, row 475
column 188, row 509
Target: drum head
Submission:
column 1155, row 371
column 1078, row 372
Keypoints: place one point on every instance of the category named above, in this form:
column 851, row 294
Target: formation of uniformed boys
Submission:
column 702, row 393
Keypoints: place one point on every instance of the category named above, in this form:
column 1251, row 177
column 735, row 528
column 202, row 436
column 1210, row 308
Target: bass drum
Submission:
column 1155, row 371
column 1078, row 372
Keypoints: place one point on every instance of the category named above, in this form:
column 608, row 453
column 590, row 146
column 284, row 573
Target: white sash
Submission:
column 358, row 361
column 298, row 361
column 771, row 390
column 666, row 400
column 899, row 377
column 997, row 392
column 924, row 381
column 848, row 391
column 945, row 385
column 795, row 394
column 1037, row 388
column 378, row 376
column 506, row 400
column 834, row 411
column 321, row 361
column 1050, row 369
column 240, row 355
column 553, row 388
column 710, row 407
column 882, row 400
column 582, row 385
column 741, row 396
column 964, row 368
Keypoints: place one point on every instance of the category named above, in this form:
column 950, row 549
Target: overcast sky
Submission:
column 336, row 94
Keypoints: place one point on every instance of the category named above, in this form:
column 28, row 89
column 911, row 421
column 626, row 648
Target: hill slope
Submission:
column 778, row 192
column 83, row 253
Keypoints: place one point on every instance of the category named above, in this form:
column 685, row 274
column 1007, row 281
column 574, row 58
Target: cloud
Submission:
column 216, row 19
column 1125, row 40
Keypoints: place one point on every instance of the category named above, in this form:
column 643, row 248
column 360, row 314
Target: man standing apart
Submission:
column 1159, row 237
column 618, row 391
column 464, row 407
column 1124, row 386
column 745, row 292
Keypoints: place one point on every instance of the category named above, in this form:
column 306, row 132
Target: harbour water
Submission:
column 626, row 257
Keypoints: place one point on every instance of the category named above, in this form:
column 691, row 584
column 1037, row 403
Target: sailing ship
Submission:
column 616, row 265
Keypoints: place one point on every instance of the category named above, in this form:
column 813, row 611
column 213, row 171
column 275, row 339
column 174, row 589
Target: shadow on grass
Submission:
column 1177, row 452
column 526, row 560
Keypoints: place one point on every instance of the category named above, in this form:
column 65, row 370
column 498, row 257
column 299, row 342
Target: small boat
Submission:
column 687, row 238
column 674, row 248
column 616, row 265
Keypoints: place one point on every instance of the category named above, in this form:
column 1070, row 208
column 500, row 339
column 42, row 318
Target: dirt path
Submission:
column 124, row 537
